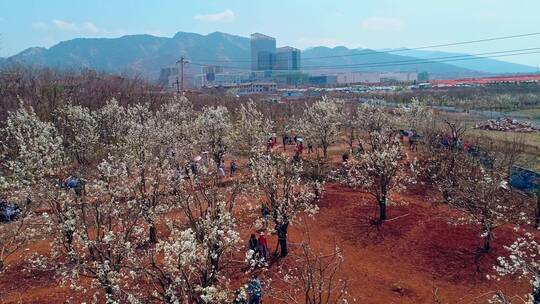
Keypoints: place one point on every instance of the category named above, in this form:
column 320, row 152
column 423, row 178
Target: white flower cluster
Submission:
column 285, row 192
column 251, row 130
column 214, row 126
column 79, row 130
column 476, row 190
column 192, row 256
column 380, row 169
column 320, row 123
column 30, row 147
column 524, row 261
column 30, row 150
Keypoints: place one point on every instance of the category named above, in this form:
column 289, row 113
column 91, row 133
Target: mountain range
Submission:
column 476, row 63
column 145, row 55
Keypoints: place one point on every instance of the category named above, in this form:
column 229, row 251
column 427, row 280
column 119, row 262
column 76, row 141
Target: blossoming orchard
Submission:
column 182, row 201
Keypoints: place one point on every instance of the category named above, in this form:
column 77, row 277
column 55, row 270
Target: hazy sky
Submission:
column 299, row 23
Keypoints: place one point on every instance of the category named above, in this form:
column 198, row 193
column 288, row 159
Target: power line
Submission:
column 440, row 45
column 412, row 61
column 370, row 52
column 435, row 59
column 477, row 56
column 463, row 59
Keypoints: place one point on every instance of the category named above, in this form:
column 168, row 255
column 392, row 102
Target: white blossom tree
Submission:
column 284, row 191
column 107, row 232
column 198, row 247
column 380, row 170
column 321, row 122
column 251, row 130
column 417, row 115
column 79, row 130
column 524, row 261
column 375, row 119
column 142, row 148
column 190, row 271
column 422, row 120
column 484, row 197
column 156, row 147
column 177, row 128
column 111, row 119
column 215, row 131
column 30, row 149
column 61, row 217
column 351, row 123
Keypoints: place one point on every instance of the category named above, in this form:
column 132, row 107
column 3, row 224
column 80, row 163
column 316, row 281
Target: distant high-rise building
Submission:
column 263, row 49
column 168, row 76
column 287, row 58
column 211, row 71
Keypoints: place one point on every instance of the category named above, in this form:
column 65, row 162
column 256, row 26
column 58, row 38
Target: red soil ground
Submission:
column 408, row 259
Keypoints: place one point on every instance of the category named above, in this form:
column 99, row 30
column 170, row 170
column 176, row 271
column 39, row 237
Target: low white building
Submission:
column 222, row 79
column 376, row 77
column 253, row 88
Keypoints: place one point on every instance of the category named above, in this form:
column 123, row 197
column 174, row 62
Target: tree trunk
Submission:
column 317, row 192
column 351, row 141
column 325, row 151
column 152, row 238
column 445, row 195
column 109, row 295
column 214, row 261
column 69, row 239
column 283, row 247
column 169, row 300
column 382, row 209
column 282, row 239
column 487, row 240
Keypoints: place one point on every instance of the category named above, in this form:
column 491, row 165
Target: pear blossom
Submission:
column 320, row 123
column 279, row 180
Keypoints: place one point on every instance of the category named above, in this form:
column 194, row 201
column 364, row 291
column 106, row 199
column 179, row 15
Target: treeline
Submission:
column 46, row 89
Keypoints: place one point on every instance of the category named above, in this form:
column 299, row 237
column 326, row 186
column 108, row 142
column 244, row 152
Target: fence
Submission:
column 525, row 180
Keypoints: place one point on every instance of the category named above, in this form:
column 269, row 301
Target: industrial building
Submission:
column 263, row 49
column 287, row 59
column 323, row 80
column 265, row 56
column 210, row 72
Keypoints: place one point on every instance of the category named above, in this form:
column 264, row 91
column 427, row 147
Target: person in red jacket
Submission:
column 263, row 246
column 299, row 147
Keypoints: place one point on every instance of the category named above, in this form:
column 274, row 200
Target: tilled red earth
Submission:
column 417, row 256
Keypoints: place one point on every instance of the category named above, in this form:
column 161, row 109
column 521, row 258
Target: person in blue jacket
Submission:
column 254, row 290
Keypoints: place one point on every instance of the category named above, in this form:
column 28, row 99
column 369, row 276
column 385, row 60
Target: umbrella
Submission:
column 197, row 158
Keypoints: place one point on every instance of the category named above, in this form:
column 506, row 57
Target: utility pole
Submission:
column 182, row 62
